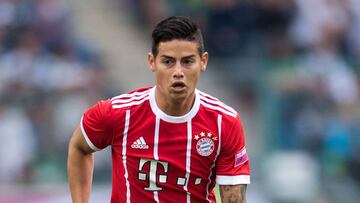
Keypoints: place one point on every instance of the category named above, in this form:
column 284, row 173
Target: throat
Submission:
column 177, row 107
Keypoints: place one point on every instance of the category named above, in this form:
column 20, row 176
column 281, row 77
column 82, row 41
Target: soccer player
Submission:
column 170, row 142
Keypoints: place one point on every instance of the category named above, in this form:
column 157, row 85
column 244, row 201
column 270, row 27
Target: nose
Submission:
column 178, row 71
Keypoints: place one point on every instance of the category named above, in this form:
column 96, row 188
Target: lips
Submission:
column 178, row 86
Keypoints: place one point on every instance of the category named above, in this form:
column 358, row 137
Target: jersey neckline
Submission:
column 174, row 119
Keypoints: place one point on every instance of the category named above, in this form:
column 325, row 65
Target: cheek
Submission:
column 162, row 76
column 194, row 75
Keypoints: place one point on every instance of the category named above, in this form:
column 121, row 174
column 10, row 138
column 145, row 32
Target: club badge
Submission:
column 205, row 143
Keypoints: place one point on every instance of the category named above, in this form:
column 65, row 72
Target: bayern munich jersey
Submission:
column 161, row 158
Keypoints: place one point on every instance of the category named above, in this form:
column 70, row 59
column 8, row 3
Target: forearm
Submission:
column 80, row 172
column 233, row 193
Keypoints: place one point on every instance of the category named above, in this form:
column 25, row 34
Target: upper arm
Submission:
column 78, row 142
column 232, row 164
column 233, row 193
column 97, row 125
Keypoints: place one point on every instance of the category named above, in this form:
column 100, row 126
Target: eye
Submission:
column 188, row 61
column 167, row 61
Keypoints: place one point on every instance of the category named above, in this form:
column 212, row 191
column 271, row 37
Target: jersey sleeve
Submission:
column 97, row 125
column 233, row 165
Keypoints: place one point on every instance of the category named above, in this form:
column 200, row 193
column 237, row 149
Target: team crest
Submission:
column 205, row 143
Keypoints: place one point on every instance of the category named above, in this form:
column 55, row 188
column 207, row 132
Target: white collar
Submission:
column 174, row 119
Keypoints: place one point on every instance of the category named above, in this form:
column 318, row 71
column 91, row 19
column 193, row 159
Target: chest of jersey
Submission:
column 164, row 157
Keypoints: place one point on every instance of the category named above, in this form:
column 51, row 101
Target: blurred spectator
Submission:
column 354, row 32
column 147, row 12
column 294, row 177
column 230, row 26
column 47, row 72
column 316, row 17
column 17, row 146
column 18, row 65
column 7, row 12
column 275, row 18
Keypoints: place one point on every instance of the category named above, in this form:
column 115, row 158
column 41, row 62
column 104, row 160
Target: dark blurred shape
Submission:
column 231, row 26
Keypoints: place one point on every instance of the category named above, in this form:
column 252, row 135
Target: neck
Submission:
column 174, row 106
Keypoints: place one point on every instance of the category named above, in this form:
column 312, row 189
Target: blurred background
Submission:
column 291, row 68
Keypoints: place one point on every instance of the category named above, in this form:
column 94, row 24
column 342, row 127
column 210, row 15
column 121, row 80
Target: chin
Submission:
column 179, row 95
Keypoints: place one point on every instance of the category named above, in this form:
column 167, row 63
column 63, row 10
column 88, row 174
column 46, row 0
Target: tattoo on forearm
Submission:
column 233, row 193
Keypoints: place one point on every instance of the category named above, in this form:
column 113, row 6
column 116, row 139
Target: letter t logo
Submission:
column 152, row 173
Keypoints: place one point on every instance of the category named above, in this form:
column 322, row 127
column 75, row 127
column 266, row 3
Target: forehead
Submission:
column 178, row 48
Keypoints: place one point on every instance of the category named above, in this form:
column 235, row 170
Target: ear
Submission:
column 151, row 61
column 204, row 61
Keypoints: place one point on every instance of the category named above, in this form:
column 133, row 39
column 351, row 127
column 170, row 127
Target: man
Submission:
column 170, row 142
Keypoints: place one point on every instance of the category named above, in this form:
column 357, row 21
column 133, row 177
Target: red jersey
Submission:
column 161, row 158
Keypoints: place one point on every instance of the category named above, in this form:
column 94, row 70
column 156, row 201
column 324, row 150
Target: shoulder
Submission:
column 131, row 98
column 214, row 104
column 109, row 110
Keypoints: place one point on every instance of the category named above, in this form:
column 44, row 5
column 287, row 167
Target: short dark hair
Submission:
column 176, row 27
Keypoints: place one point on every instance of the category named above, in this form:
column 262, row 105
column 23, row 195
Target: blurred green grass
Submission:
column 217, row 194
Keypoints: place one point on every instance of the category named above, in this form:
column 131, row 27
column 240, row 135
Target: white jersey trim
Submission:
column 119, row 106
column 122, row 101
column 219, row 122
column 156, row 150
column 214, row 101
column 232, row 180
column 156, row 138
column 122, row 96
column 88, row 141
column 218, row 108
column 188, row 160
column 173, row 119
column 123, row 153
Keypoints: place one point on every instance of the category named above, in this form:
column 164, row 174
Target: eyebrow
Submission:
column 185, row 57
column 165, row 56
column 188, row 57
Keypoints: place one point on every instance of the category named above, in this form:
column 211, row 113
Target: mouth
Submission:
column 178, row 86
